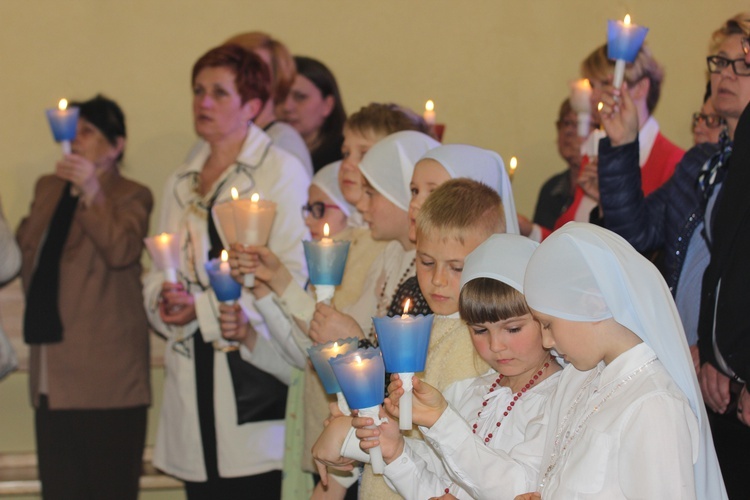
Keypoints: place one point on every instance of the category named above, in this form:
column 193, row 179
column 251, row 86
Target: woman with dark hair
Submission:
column 84, row 320
column 221, row 428
column 315, row 109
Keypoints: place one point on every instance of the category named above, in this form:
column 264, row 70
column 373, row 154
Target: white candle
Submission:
column 580, row 101
column 326, row 241
column 513, row 167
column 429, row 112
column 224, row 266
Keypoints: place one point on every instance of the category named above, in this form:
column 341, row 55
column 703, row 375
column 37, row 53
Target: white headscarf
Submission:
column 482, row 165
column 388, row 165
column 327, row 179
column 583, row 272
column 501, row 257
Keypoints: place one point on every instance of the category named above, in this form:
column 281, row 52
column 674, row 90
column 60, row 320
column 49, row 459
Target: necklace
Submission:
column 382, row 308
column 510, row 406
column 562, row 442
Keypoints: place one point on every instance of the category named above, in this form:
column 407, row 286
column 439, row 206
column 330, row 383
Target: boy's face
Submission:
column 440, row 261
column 353, row 150
column 428, row 175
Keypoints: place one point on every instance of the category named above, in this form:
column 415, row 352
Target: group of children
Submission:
column 558, row 370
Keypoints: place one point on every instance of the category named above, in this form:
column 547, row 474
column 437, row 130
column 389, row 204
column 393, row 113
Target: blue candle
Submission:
column 320, row 355
column 624, row 40
column 224, row 286
column 361, row 376
column 404, row 340
column 326, row 260
column 63, row 122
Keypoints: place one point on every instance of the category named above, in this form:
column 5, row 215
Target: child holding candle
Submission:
column 454, row 220
column 479, row 410
column 627, row 419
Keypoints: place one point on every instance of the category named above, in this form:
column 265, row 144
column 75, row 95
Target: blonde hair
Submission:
column 382, row 119
column 458, row 206
column 737, row 25
column 486, row 300
column 598, row 67
column 282, row 68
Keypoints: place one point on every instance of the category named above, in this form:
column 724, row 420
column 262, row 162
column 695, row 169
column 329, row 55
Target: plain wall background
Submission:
column 496, row 69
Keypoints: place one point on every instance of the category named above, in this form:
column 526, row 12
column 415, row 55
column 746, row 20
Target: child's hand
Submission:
column 328, row 325
column 261, row 262
column 387, row 435
column 327, row 449
column 428, row 403
column 529, row 496
column 447, row 496
column 235, row 326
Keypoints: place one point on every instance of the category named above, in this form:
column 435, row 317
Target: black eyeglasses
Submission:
column 711, row 121
column 317, row 209
column 716, row 64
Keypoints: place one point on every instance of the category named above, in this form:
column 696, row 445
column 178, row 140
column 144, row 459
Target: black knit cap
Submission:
column 105, row 115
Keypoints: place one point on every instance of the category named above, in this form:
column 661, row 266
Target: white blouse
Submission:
column 418, row 473
column 623, row 430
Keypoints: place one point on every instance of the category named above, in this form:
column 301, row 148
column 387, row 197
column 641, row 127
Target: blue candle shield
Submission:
column 63, row 123
column 224, row 286
column 326, row 262
column 321, row 353
column 361, row 376
column 404, row 341
column 624, row 40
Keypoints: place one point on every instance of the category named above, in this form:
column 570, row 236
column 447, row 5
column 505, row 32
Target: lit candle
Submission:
column 429, row 113
column 624, row 40
column 361, row 375
column 320, row 355
column 513, row 167
column 404, row 340
column 580, row 101
column 219, row 275
column 326, row 260
column 63, row 121
column 165, row 252
column 244, row 221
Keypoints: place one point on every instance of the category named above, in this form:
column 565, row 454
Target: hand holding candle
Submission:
column 326, row 260
column 320, row 355
column 580, row 101
column 404, row 340
column 64, row 122
column 624, row 40
column 244, row 221
column 165, row 252
column 361, row 375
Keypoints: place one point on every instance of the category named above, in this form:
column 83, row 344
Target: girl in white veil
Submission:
column 628, row 419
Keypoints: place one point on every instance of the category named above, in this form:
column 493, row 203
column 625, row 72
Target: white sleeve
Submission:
column 280, row 328
column 264, row 356
column 480, row 470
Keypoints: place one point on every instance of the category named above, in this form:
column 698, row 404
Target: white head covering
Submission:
column 501, row 257
column 482, row 165
column 327, row 179
column 388, row 165
column 582, row 272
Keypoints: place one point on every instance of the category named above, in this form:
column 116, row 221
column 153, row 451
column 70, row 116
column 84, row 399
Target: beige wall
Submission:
column 497, row 70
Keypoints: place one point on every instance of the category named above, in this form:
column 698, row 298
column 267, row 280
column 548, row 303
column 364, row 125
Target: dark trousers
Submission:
column 260, row 486
column 90, row 454
column 732, row 442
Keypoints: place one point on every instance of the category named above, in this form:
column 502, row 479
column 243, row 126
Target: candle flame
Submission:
column 255, row 198
column 406, row 306
column 235, row 194
column 336, row 345
column 358, row 359
column 599, row 106
column 326, row 230
column 62, row 105
column 224, row 256
column 164, row 238
column 627, row 19
column 429, row 105
column 513, row 163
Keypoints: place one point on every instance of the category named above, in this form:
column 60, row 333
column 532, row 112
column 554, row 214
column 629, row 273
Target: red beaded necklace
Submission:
column 512, row 404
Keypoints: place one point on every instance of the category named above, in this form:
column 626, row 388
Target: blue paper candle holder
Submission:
column 404, row 341
column 320, row 355
column 326, row 261
column 361, row 376
column 624, row 40
column 63, row 123
column 224, row 286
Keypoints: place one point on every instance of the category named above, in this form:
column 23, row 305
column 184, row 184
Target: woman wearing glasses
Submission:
column 706, row 124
